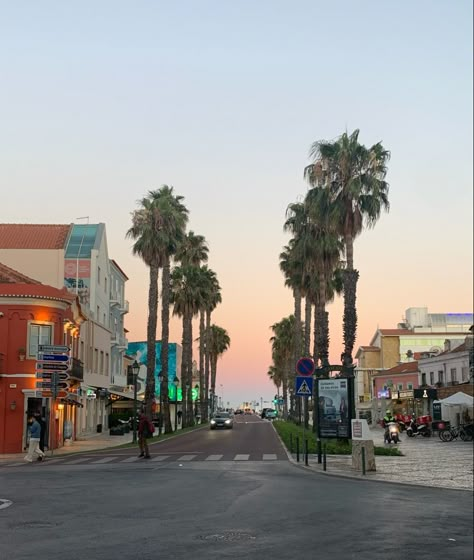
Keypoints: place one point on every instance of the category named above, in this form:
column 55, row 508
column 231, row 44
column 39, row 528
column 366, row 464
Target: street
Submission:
column 220, row 494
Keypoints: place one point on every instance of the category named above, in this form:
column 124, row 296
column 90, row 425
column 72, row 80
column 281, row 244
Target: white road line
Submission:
column 77, row 461
column 269, row 457
column 160, row 458
column 214, row 457
column 104, row 460
column 15, row 464
column 186, row 458
column 130, row 460
column 241, row 457
column 5, row 503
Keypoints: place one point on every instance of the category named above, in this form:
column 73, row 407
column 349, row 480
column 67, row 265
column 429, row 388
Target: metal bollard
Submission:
column 363, row 460
column 320, row 452
column 297, row 449
column 324, row 458
column 306, row 452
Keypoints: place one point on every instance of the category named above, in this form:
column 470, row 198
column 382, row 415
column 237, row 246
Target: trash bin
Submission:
column 99, row 428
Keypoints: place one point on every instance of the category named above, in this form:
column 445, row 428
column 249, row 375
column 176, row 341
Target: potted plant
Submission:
column 21, row 353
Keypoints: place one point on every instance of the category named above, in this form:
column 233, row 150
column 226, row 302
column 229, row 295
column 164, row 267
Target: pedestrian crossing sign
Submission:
column 304, row 386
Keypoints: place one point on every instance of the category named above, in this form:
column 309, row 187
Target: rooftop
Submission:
column 33, row 236
column 10, row 276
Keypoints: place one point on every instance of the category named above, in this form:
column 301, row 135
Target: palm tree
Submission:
column 187, row 295
column 219, row 342
column 157, row 227
column 355, row 178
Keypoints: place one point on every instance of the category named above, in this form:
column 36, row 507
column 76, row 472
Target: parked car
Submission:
column 222, row 420
column 239, row 411
column 262, row 414
column 270, row 413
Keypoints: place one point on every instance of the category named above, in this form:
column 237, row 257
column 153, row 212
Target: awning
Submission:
column 72, row 401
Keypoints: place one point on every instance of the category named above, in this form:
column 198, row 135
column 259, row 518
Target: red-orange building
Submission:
column 32, row 313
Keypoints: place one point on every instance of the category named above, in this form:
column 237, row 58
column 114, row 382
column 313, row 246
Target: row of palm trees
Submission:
column 347, row 193
column 189, row 288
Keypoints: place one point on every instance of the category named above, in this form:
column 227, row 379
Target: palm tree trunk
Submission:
column 165, row 333
column 213, row 376
column 201, row 363
column 307, row 326
column 151, row 340
column 189, row 334
column 350, row 315
column 184, row 372
column 298, row 346
column 207, row 362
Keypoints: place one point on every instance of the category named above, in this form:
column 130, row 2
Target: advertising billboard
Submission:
column 334, row 408
column 77, row 278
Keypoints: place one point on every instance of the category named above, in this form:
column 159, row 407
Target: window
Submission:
column 431, row 377
column 453, row 375
column 105, row 320
column 410, row 385
column 400, row 386
column 106, row 364
column 101, row 370
column 389, row 383
column 465, row 374
column 96, row 360
column 81, row 351
column 98, row 314
column 423, row 378
column 98, row 275
column 441, row 376
column 105, row 284
column 38, row 334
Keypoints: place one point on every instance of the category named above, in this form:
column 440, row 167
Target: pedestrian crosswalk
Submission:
column 162, row 458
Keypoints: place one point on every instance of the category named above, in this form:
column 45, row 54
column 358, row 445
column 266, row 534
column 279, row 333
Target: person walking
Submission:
column 42, row 424
column 145, row 431
column 35, row 437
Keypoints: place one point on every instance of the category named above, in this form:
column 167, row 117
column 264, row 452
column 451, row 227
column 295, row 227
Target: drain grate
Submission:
column 228, row 536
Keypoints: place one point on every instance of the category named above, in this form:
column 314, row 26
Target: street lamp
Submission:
column 136, row 371
column 176, row 383
column 160, row 417
column 189, row 413
column 196, row 389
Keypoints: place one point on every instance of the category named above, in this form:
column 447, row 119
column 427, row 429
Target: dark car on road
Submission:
column 222, row 420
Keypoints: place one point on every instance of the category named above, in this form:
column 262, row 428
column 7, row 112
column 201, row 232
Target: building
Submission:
column 32, row 313
column 119, row 343
column 75, row 256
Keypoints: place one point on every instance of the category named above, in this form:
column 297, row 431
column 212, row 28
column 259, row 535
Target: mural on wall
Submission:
column 138, row 351
column 77, row 278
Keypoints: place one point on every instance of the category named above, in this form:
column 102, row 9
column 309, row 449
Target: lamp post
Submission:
column 136, row 371
column 222, row 397
column 189, row 413
column 176, row 383
column 160, row 417
column 196, row 389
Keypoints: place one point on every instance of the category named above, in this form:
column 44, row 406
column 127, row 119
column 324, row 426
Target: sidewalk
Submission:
column 425, row 462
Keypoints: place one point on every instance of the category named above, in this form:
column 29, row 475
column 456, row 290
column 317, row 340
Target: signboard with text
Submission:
column 333, row 408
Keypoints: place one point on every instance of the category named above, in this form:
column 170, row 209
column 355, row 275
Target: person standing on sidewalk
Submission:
column 145, row 431
column 35, row 437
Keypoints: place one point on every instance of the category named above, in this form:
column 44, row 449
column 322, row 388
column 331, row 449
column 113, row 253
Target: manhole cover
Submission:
column 228, row 537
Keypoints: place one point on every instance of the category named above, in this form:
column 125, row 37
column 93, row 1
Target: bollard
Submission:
column 363, row 460
column 291, row 443
column 320, row 452
column 324, row 458
column 297, row 449
column 306, row 452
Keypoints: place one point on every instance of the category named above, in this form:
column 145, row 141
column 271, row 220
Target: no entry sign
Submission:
column 305, row 367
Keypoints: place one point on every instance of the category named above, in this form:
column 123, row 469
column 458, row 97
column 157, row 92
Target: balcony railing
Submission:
column 77, row 370
column 124, row 307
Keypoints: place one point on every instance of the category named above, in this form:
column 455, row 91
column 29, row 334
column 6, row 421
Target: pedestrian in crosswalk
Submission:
column 145, row 431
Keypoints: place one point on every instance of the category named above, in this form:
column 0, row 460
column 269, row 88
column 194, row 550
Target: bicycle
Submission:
column 450, row 434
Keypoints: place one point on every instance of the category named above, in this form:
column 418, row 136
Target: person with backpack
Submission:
column 145, row 431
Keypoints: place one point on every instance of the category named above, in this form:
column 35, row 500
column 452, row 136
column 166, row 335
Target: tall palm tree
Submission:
column 219, row 342
column 157, row 226
column 354, row 175
column 213, row 298
column 187, row 295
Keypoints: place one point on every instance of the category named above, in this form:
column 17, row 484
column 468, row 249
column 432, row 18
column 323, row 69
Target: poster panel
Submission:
column 77, row 278
column 334, row 412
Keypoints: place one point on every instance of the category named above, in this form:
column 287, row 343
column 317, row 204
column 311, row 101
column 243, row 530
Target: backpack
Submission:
column 149, row 429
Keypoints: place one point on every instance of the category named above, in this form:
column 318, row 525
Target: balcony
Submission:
column 114, row 299
column 118, row 341
column 124, row 307
column 77, row 370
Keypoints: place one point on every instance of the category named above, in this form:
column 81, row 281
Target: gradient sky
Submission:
column 101, row 101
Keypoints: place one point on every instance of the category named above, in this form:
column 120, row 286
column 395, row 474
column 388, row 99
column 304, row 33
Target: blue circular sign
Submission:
column 305, row 366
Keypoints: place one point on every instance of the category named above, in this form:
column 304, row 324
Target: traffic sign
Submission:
column 53, row 348
column 305, row 366
column 303, row 386
column 50, row 385
column 52, row 366
column 47, row 375
column 46, row 393
column 53, row 357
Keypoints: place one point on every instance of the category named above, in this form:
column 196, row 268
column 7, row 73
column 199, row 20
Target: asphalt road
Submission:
column 226, row 508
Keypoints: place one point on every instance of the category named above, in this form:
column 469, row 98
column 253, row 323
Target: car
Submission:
column 239, row 411
column 222, row 420
column 248, row 411
column 262, row 414
column 270, row 414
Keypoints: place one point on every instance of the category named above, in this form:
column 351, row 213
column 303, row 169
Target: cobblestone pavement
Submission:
column 425, row 462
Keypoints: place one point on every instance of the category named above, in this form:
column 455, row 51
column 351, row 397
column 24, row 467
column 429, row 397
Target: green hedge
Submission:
column 286, row 430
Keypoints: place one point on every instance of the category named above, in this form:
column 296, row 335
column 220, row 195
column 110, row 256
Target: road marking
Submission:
column 77, row 461
column 269, row 457
column 130, row 460
column 5, row 503
column 214, row 457
column 160, row 458
column 241, row 457
column 14, row 464
column 186, row 458
column 104, row 460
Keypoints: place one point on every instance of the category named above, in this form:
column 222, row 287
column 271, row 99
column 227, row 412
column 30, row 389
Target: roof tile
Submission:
column 33, row 236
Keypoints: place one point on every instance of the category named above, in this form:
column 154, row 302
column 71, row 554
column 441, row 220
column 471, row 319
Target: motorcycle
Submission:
column 392, row 433
column 415, row 429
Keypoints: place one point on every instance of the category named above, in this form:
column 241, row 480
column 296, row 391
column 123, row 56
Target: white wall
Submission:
column 44, row 265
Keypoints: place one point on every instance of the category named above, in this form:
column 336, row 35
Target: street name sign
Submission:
column 46, row 393
column 50, row 385
column 52, row 357
column 305, row 367
column 51, row 348
column 303, row 386
column 52, row 366
column 46, row 375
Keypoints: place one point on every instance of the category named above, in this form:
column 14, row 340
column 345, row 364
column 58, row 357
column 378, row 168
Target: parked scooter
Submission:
column 415, row 429
column 392, row 433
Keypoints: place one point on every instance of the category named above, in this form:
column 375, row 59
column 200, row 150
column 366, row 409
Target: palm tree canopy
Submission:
column 188, row 290
column 219, row 340
column 193, row 250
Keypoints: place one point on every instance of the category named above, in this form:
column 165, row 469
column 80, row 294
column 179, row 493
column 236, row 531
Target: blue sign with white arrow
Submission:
column 53, row 357
column 303, row 386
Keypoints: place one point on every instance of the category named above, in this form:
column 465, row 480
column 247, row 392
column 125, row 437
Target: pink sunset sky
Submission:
column 103, row 101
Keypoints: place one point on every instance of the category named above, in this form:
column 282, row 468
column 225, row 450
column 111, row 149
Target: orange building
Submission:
column 32, row 313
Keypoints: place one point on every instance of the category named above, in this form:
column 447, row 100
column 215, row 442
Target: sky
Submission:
column 102, row 101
